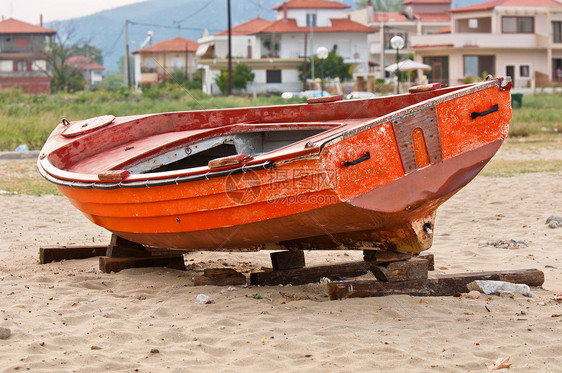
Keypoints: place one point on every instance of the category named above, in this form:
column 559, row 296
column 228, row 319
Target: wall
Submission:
column 323, row 16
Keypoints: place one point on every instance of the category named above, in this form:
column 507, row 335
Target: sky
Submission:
column 55, row 10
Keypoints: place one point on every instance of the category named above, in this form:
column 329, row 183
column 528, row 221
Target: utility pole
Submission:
column 229, row 90
column 311, row 47
column 88, row 67
column 126, row 72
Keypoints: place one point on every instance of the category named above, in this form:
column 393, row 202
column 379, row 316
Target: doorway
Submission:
column 510, row 71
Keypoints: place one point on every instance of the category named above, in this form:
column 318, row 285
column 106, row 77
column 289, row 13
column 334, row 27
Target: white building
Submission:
column 275, row 50
column 518, row 38
column 90, row 69
column 421, row 17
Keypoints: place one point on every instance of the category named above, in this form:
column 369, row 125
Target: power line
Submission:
column 116, row 40
column 194, row 13
column 171, row 27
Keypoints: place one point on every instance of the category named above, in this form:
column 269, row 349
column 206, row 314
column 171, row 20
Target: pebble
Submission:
column 506, row 294
column 473, row 294
column 541, row 303
column 204, row 299
column 554, row 222
column 155, row 351
column 5, row 333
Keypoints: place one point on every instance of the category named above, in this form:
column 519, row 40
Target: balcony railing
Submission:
column 499, row 41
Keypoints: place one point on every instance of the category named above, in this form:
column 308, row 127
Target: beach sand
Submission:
column 68, row 316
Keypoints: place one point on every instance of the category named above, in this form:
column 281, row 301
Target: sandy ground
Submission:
column 68, row 316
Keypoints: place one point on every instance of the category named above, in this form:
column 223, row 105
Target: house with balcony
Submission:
column 275, row 50
column 158, row 61
column 518, row 38
column 90, row 69
column 420, row 17
column 23, row 63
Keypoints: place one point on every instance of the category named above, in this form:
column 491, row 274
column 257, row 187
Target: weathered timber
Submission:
column 430, row 259
column 442, row 285
column 287, row 259
column 108, row 264
column 220, row 277
column 412, row 269
column 56, row 254
column 307, row 275
column 384, row 256
column 122, row 248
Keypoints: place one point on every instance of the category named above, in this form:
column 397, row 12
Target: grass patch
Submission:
column 22, row 177
column 27, row 119
column 539, row 114
column 506, row 168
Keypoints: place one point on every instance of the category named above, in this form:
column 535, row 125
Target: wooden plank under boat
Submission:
column 323, row 175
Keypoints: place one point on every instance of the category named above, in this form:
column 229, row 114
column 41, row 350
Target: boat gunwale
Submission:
column 182, row 176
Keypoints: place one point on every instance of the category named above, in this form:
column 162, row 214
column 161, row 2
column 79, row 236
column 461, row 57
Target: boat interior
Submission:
column 160, row 145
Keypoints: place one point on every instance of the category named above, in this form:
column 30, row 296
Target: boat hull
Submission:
column 374, row 185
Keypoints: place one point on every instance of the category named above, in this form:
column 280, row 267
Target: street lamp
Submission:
column 322, row 53
column 397, row 42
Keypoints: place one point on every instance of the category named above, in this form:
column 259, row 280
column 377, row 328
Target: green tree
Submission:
column 86, row 50
column 334, row 67
column 383, row 5
column 241, row 76
column 63, row 77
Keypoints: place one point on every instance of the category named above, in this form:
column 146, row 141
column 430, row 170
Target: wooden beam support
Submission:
column 412, row 269
column 287, row 259
column 442, row 285
column 122, row 248
column 108, row 264
column 384, row 256
column 56, row 254
column 220, row 277
column 307, row 275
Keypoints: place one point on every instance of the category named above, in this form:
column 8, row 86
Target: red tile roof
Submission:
column 84, row 63
column 259, row 25
column 389, row 17
column 311, row 4
column 13, row 26
column 444, row 30
column 338, row 25
column 247, row 28
column 173, row 45
column 433, row 17
column 408, row 2
column 488, row 5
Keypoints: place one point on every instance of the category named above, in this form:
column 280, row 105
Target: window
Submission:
column 21, row 65
column 311, row 19
column 521, row 25
column 557, row 32
column 273, row 76
column 524, row 71
column 177, row 63
column 22, row 43
column 473, row 23
column 150, row 63
column 479, row 65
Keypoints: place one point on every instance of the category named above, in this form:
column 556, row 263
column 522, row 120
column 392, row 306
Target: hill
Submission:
column 168, row 19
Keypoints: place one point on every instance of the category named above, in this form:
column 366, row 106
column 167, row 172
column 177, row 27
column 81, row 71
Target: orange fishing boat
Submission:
column 329, row 174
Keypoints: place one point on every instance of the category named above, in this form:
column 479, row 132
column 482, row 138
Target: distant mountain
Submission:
column 168, row 19
column 105, row 29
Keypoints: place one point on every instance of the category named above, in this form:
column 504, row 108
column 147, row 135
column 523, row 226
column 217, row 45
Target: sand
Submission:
column 68, row 316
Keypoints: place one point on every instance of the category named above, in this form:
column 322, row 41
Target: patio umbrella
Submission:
column 408, row 65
